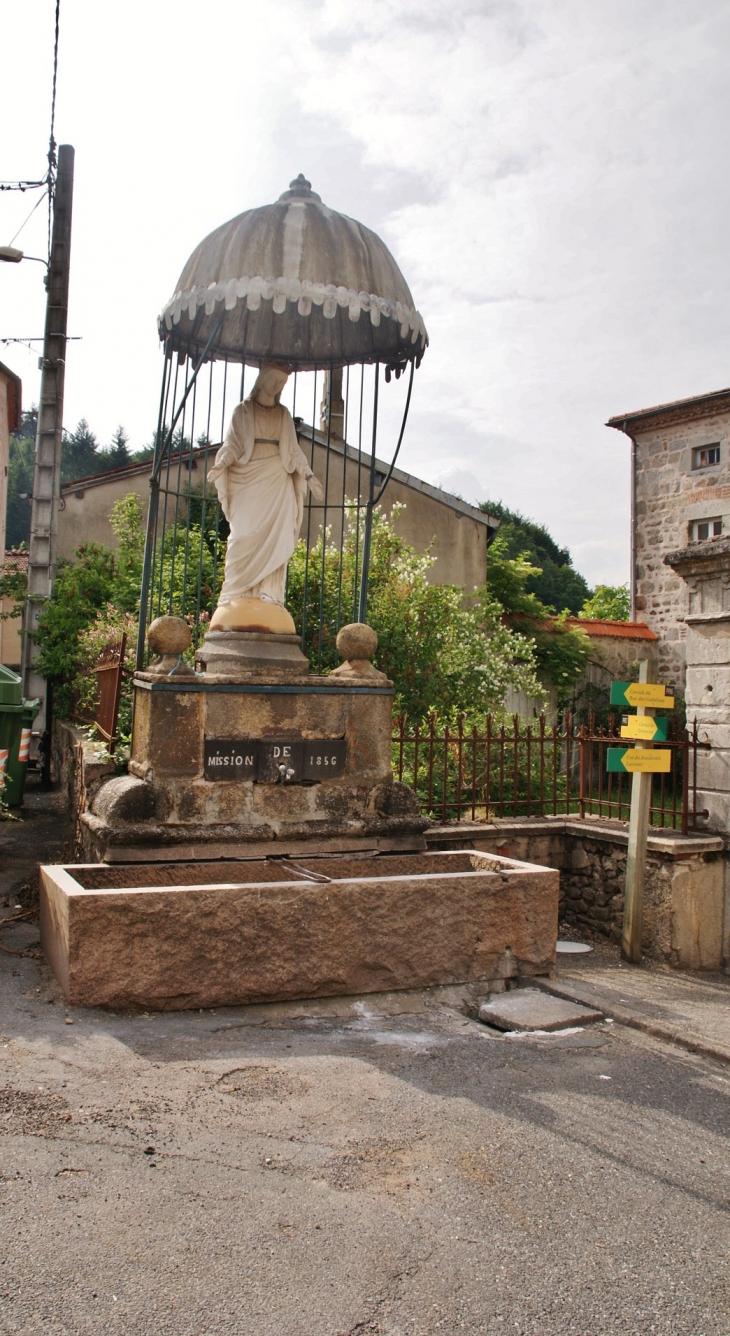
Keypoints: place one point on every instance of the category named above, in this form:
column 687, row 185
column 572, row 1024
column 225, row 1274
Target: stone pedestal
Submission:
column 264, row 758
column 240, row 654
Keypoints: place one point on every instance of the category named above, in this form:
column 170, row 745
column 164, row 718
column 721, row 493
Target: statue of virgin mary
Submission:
column 261, row 476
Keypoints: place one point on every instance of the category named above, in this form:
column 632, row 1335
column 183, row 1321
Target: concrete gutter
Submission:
column 641, row 1015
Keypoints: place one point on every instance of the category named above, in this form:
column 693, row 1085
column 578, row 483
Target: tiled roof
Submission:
column 675, row 405
column 18, row 560
column 600, row 626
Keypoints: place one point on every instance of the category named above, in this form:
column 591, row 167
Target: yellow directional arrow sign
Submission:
column 633, row 760
column 644, row 728
column 652, row 694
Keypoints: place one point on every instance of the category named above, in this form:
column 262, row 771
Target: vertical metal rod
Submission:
column 638, row 837
column 582, row 743
column 685, row 781
column 358, row 493
column 488, row 777
column 305, row 590
column 151, row 523
column 367, row 538
column 344, row 500
column 323, row 573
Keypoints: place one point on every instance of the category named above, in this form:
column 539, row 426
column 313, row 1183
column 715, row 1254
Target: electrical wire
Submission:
column 30, row 215
column 48, row 182
column 23, row 185
column 51, row 139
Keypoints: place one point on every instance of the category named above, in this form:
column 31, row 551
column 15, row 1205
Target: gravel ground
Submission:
column 375, row 1165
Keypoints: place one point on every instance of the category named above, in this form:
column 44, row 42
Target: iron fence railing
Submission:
column 531, row 769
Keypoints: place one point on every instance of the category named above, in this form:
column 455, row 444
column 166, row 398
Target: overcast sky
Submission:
column 551, row 176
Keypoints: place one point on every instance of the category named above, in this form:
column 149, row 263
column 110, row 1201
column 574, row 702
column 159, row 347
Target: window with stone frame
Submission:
column 701, row 530
column 704, row 456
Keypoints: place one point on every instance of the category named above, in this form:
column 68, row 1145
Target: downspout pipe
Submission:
column 632, row 558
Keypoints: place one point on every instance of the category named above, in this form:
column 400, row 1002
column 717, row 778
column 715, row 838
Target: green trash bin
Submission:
column 16, row 721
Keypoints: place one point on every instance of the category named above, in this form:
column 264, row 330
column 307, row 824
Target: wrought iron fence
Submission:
column 522, row 770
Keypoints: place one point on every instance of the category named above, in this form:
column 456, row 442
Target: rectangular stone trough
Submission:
column 171, row 936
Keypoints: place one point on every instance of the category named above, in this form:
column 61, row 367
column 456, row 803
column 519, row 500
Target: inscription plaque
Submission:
column 275, row 760
column 324, row 758
column 280, row 761
column 227, row 758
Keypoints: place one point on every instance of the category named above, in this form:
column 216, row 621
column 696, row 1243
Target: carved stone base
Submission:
column 334, row 793
column 241, row 654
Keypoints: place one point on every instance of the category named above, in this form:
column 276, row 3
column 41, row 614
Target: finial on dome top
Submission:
column 300, row 188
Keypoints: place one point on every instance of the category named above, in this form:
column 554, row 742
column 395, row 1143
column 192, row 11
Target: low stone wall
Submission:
column 687, row 899
column 687, row 904
column 79, row 766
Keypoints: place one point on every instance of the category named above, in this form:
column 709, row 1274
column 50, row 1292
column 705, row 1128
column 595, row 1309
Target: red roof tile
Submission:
column 600, row 626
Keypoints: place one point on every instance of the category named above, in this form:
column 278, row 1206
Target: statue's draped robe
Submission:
column 262, row 493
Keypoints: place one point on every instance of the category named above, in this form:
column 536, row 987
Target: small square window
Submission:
column 701, row 530
column 705, row 455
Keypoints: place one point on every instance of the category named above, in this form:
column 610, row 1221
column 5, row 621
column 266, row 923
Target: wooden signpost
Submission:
column 642, row 762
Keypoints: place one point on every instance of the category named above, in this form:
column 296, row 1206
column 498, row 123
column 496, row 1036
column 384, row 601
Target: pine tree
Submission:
column 80, row 454
column 119, row 453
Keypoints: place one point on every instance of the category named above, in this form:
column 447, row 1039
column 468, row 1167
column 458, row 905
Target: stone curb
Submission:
column 596, row 997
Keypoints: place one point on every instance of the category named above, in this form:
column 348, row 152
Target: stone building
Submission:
column 10, row 412
column 457, row 532
column 680, row 495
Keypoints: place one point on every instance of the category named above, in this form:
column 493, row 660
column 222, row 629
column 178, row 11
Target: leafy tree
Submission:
column 85, row 586
column 442, row 656
column 610, row 601
column 21, row 462
column 561, row 651
column 554, row 580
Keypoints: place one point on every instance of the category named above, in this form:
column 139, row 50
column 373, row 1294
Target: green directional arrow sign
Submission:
column 651, row 694
column 633, row 760
column 644, row 728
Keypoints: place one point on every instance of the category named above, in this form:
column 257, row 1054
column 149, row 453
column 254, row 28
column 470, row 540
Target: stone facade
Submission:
column 674, row 488
column 705, row 572
column 456, row 532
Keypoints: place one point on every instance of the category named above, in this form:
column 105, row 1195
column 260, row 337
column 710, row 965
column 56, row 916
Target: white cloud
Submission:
column 548, row 175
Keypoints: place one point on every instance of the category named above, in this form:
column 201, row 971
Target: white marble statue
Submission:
column 261, row 476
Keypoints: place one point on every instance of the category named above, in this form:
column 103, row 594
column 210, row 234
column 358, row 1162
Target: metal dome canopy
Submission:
column 297, row 283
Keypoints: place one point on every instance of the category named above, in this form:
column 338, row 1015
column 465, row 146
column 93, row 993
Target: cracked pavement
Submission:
column 381, row 1164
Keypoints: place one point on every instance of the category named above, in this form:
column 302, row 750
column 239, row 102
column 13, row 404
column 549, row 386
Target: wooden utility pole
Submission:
column 641, row 788
column 47, row 472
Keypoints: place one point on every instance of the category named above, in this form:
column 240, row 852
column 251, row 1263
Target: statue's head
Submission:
column 271, row 379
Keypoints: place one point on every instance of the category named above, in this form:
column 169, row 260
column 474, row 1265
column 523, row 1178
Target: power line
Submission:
column 49, row 179
column 30, row 215
column 51, row 139
column 23, row 185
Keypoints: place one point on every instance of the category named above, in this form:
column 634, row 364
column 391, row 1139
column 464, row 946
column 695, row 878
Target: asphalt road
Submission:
column 368, row 1166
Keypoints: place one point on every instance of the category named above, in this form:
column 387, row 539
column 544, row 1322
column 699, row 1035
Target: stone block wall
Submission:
column 670, row 494
column 687, row 904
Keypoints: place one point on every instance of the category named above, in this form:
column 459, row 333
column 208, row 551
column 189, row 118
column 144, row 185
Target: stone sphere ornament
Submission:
column 168, row 638
column 169, row 635
column 357, row 640
column 356, row 644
